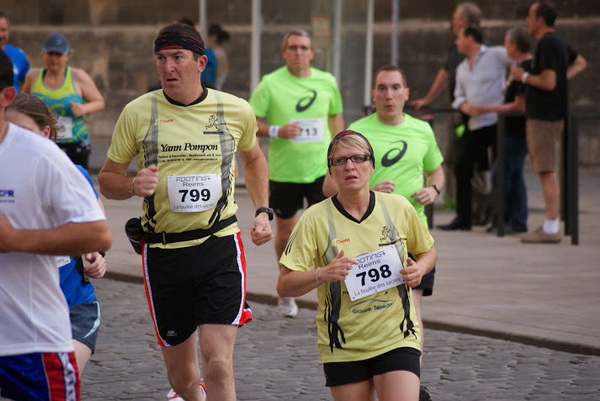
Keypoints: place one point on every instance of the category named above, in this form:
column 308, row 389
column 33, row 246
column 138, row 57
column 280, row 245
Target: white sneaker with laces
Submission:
column 173, row 396
column 288, row 307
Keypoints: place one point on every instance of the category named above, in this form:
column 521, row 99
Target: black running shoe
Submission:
column 424, row 394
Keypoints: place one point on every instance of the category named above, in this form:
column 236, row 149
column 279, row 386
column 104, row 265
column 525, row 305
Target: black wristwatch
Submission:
column 266, row 210
column 436, row 189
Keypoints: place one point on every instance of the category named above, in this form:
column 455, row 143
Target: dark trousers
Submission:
column 472, row 154
column 515, row 191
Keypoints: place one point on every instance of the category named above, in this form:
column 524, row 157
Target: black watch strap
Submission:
column 266, row 210
column 436, row 189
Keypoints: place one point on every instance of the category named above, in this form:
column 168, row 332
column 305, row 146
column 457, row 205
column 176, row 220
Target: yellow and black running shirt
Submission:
column 194, row 148
column 375, row 324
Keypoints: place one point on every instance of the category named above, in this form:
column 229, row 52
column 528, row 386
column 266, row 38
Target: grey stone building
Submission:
column 113, row 39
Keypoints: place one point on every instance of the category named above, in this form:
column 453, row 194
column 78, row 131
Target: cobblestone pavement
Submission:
column 276, row 359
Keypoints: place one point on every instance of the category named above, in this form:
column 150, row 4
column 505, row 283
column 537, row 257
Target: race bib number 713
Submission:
column 376, row 271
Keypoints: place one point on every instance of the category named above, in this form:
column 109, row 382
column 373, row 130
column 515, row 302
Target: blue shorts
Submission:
column 85, row 321
column 48, row 376
column 202, row 284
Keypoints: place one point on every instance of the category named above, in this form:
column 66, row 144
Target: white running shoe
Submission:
column 288, row 307
column 173, row 396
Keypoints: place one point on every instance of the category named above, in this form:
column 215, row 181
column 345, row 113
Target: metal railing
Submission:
column 569, row 171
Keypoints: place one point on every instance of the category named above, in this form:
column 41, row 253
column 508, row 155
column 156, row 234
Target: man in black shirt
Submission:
column 546, row 99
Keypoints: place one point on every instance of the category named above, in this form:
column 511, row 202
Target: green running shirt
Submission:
column 402, row 153
column 282, row 98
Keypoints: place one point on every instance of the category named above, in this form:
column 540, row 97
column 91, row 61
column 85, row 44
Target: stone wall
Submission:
column 112, row 41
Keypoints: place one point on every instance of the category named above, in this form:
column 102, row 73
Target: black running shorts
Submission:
column 203, row 284
column 287, row 198
column 427, row 283
column 340, row 373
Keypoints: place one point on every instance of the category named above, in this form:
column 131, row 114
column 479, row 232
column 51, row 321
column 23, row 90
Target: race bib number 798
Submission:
column 376, row 271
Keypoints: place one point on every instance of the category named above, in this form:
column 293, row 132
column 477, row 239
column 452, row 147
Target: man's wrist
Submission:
column 273, row 131
column 266, row 210
column 437, row 189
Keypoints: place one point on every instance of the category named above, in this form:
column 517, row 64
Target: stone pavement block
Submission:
column 276, row 359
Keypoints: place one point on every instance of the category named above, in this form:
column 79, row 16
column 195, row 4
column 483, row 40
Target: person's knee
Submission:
column 218, row 368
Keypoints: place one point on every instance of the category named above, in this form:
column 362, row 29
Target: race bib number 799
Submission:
column 193, row 193
column 376, row 271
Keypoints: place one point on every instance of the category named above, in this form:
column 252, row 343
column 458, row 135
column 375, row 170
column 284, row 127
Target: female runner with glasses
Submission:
column 353, row 247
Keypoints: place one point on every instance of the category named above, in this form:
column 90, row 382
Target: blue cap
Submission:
column 56, row 43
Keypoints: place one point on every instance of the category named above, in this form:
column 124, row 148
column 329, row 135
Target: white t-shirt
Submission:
column 40, row 188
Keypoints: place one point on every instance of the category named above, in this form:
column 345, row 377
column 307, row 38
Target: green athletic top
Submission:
column 282, row 98
column 402, row 153
column 72, row 129
column 374, row 324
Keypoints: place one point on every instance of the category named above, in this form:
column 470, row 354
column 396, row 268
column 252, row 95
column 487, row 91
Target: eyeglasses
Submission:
column 295, row 48
column 340, row 161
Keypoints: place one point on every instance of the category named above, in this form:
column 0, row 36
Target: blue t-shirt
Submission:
column 209, row 75
column 76, row 288
column 20, row 64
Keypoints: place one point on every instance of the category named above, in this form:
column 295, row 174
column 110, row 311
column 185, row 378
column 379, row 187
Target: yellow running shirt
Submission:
column 374, row 324
column 194, row 148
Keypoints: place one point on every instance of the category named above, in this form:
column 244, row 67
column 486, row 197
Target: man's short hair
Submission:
column 293, row 32
column 391, row 68
column 474, row 32
column 6, row 71
column 520, row 38
column 547, row 11
column 471, row 12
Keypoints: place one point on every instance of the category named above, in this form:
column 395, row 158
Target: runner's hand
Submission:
column 76, row 109
column 386, row 186
column 290, row 131
column 261, row 232
column 338, row 269
column 411, row 273
column 146, row 181
column 425, row 196
column 97, row 266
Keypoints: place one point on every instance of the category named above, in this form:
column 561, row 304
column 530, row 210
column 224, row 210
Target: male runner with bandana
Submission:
column 185, row 138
